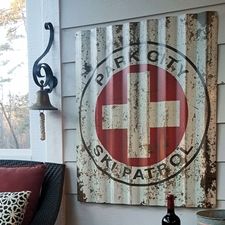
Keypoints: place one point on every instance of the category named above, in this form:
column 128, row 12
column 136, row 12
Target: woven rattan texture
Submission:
column 51, row 193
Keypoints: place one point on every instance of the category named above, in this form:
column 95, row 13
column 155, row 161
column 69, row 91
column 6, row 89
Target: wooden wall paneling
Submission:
column 221, row 31
column 68, row 45
column 220, row 181
column 68, row 79
column 220, row 104
column 69, row 145
column 70, row 178
column 77, row 212
column 221, row 204
column 69, row 116
column 73, row 12
column 119, row 214
column 221, row 64
column 221, row 142
column 68, row 35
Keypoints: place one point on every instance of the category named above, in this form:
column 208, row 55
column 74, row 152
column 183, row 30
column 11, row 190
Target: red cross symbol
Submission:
column 141, row 115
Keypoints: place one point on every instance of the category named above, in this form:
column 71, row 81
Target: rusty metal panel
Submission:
column 147, row 111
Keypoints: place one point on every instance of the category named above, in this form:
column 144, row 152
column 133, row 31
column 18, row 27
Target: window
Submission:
column 14, row 112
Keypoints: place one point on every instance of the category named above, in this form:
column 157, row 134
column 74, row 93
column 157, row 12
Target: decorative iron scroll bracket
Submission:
column 46, row 81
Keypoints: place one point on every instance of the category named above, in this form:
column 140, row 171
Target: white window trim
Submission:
column 17, row 154
column 38, row 13
column 50, row 150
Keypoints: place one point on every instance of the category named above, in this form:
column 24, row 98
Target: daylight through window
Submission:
column 14, row 112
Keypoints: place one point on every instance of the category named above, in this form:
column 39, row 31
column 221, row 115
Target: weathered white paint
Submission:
column 122, row 123
column 71, row 185
column 120, row 112
column 68, row 68
column 91, row 208
column 76, row 213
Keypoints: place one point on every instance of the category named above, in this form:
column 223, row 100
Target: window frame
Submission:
column 51, row 150
column 23, row 153
column 14, row 153
column 38, row 13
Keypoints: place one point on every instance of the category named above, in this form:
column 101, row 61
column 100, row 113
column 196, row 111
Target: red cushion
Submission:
column 27, row 178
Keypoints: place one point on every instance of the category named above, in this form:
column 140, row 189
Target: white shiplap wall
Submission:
column 77, row 15
column 69, row 16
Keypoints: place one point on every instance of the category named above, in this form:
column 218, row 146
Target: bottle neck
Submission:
column 170, row 204
column 170, row 211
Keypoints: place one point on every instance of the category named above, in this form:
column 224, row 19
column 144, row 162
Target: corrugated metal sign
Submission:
column 147, row 111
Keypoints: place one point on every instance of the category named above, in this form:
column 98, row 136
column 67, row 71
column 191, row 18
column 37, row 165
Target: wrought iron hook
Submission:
column 48, row 79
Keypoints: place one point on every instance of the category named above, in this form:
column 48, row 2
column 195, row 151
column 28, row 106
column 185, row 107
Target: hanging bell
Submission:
column 43, row 102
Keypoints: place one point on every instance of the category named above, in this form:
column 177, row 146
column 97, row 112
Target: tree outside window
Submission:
column 14, row 112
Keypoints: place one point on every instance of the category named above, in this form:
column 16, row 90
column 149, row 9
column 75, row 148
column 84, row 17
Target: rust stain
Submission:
column 86, row 69
column 81, row 195
column 123, row 160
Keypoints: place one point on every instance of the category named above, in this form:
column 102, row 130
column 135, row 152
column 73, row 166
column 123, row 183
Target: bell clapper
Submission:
column 42, row 125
